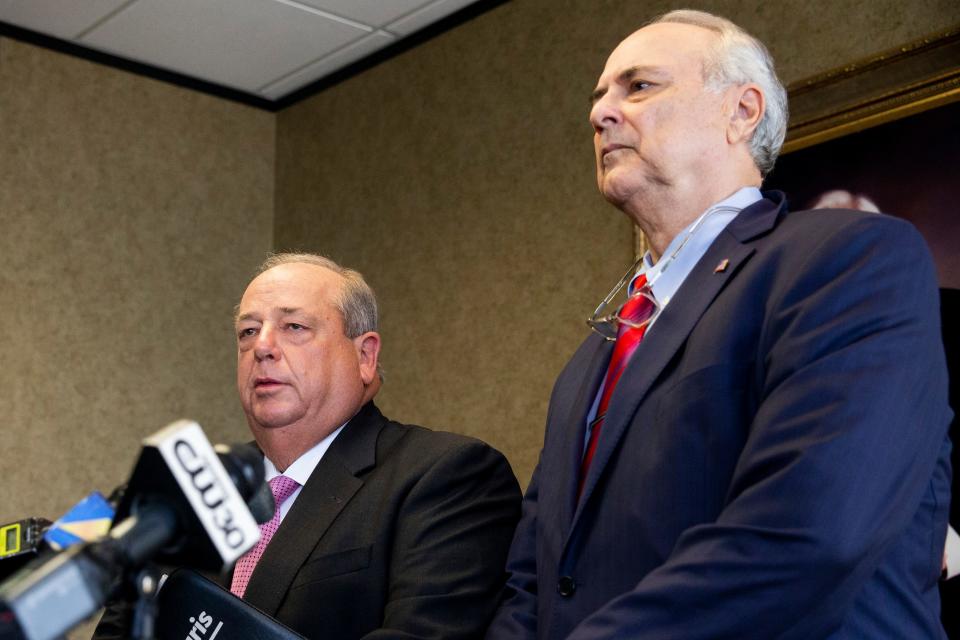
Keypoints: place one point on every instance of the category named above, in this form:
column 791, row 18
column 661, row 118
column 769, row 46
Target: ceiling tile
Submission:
column 425, row 16
column 244, row 44
column 327, row 65
column 373, row 12
column 56, row 17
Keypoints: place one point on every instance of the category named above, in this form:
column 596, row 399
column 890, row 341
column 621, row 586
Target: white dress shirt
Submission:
column 301, row 469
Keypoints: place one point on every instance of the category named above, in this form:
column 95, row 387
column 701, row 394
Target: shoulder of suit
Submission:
column 814, row 225
column 422, row 436
column 840, row 218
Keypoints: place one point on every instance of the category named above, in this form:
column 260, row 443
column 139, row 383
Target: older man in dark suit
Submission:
column 382, row 530
column 755, row 444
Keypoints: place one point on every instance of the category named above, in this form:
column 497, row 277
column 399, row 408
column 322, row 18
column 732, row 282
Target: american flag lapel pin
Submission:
column 722, row 266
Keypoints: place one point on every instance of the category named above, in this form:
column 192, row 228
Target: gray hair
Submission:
column 356, row 302
column 739, row 58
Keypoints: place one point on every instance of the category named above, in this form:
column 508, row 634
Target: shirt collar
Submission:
column 301, row 468
column 667, row 282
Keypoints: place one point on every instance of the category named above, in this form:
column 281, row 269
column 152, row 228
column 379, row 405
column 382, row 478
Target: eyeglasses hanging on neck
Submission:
column 607, row 324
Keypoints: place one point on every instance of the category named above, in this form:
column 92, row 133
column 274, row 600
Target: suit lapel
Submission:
column 572, row 409
column 330, row 488
column 675, row 323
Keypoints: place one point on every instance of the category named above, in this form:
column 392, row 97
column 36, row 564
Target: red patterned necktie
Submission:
column 282, row 488
column 638, row 308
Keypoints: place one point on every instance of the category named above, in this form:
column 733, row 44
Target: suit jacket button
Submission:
column 566, row 586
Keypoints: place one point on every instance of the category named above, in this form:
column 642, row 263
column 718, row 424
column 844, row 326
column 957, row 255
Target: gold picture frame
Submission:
column 894, row 84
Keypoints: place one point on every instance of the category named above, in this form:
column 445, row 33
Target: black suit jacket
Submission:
column 774, row 462
column 400, row 532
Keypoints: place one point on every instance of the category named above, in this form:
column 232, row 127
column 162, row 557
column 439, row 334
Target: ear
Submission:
column 368, row 352
column 748, row 107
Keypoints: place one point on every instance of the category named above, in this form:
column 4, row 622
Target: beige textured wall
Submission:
column 131, row 212
column 458, row 177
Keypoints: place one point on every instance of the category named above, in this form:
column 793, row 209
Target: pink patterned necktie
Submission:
column 281, row 487
column 638, row 309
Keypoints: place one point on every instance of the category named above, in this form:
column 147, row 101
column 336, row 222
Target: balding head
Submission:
column 300, row 373
column 670, row 138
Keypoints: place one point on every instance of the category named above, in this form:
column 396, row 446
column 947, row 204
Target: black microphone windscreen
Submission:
column 262, row 505
column 244, row 463
column 180, row 470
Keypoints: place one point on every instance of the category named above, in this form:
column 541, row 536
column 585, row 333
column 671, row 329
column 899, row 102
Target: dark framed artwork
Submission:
column 884, row 135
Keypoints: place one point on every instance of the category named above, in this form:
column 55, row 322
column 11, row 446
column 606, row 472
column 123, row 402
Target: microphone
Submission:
column 244, row 465
column 86, row 521
column 27, row 539
column 20, row 542
column 182, row 506
column 180, row 476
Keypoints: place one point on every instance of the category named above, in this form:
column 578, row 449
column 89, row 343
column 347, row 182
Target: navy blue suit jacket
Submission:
column 774, row 461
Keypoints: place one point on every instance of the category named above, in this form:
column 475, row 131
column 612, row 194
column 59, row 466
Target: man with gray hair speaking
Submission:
column 754, row 444
column 386, row 530
column 382, row 530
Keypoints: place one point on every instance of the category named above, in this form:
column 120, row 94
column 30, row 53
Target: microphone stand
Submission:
column 144, row 623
